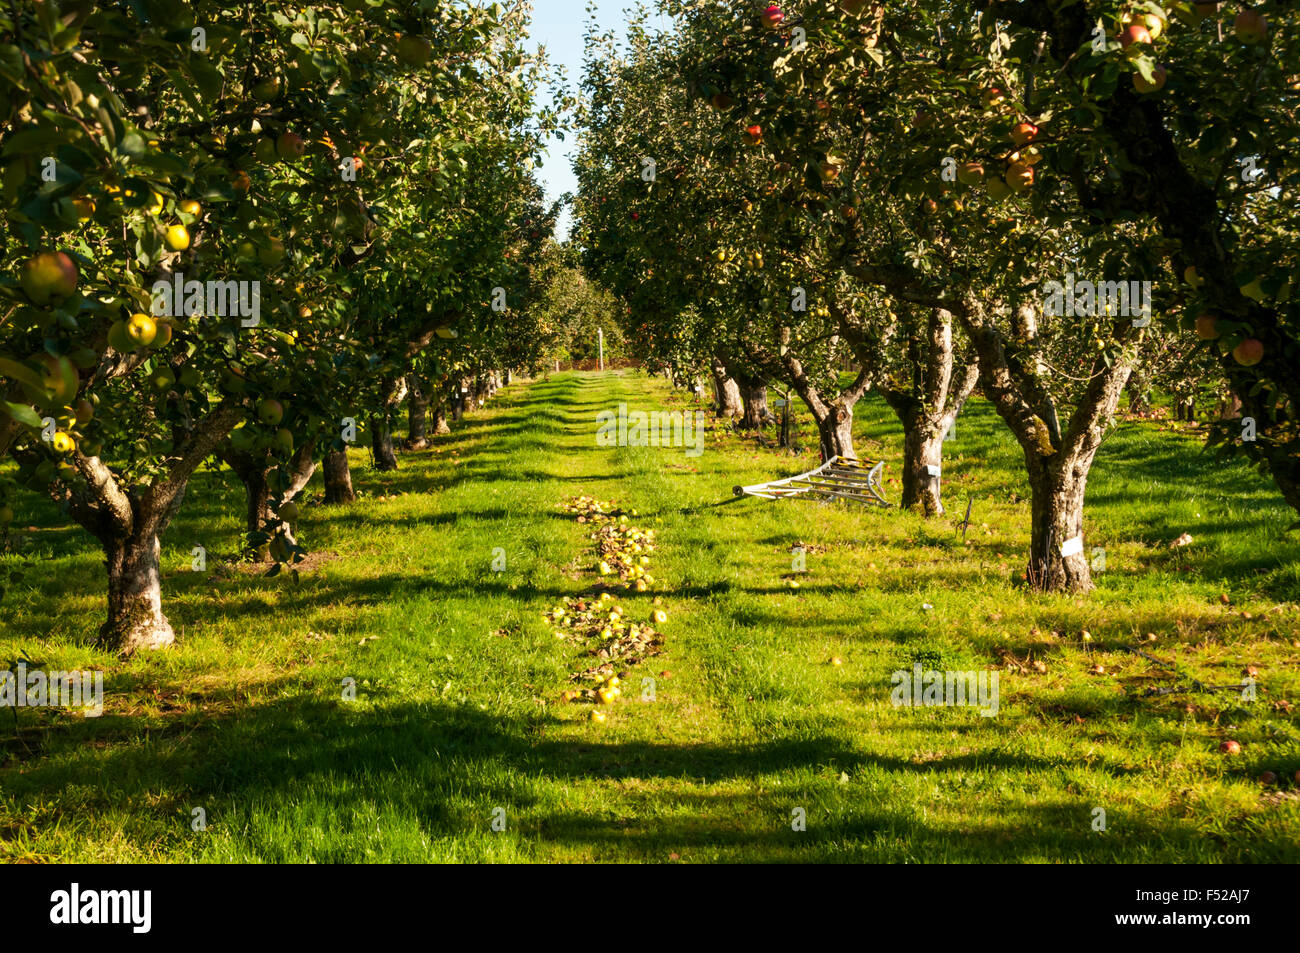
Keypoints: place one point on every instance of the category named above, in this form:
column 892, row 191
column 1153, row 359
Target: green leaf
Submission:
column 21, row 413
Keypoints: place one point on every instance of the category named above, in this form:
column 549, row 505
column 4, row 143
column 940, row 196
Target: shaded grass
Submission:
column 458, row 678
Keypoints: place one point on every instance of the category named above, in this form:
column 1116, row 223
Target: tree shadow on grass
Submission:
column 446, row 767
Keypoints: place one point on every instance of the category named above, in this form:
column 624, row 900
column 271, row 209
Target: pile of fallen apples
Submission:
column 598, row 620
column 622, row 549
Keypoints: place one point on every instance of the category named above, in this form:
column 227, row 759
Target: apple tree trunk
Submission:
column 135, row 616
column 1057, row 490
column 417, row 406
column 440, row 425
column 754, row 394
column 338, row 478
column 922, row 450
column 726, row 392
column 381, row 442
column 835, row 432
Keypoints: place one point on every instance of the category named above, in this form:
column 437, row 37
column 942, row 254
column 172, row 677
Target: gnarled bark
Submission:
column 1057, row 461
column 726, row 391
column 753, row 394
column 834, row 417
column 928, row 407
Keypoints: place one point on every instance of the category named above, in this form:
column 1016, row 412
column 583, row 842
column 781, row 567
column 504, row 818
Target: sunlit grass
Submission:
column 458, row 708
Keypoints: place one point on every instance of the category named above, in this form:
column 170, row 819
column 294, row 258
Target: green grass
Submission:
column 459, row 678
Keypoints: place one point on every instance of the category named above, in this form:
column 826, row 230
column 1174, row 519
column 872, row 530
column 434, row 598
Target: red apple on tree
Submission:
column 772, row 17
column 1249, row 352
column 49, row 277
column 1251, row 27
column 1024, row 133
column 1134, row 33
column 754, row 134
column 1156, row 83
column 290, row 146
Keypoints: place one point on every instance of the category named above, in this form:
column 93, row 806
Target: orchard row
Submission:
column 347, row 185
column 785, row 190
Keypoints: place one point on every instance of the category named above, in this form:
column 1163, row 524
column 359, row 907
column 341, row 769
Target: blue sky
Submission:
column 559, row 25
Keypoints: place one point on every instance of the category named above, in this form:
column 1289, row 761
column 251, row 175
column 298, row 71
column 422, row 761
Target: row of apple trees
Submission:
column 1037, row 200
column 236, row 232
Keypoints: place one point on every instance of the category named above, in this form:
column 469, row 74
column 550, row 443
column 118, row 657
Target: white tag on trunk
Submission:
column 1072, row 547
column 932, row 470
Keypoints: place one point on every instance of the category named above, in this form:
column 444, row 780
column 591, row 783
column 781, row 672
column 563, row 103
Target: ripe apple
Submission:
column 1205, row 327
column 772, row 17
column 1020, row 177
column 414, row 50
column 1158, row 77
column 1268, row 777
column 1134, row 33
column 242, row 182
column 49, row 277
column 84, row 412
column 660, row 616
column 993, row 97
column 721, row 101
column 284, row 440
column 191, row 207
column 829, row 170
column 63, row 443
column 85, row 208
column 1249, row 352
column 1024, row 133
column 754, row 134
column 270, row 411
column 1155, row 24
column 290, row 146
column 164, row 335
column 970, row 173
column 142, row 329
column 1230, row 747
column 1251, row 27
column 177, row 237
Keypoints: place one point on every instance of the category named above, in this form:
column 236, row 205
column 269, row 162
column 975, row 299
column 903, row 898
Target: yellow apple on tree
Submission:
column 177, row 237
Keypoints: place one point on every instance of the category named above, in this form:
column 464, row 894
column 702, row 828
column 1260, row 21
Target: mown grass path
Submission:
column 458, row 711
